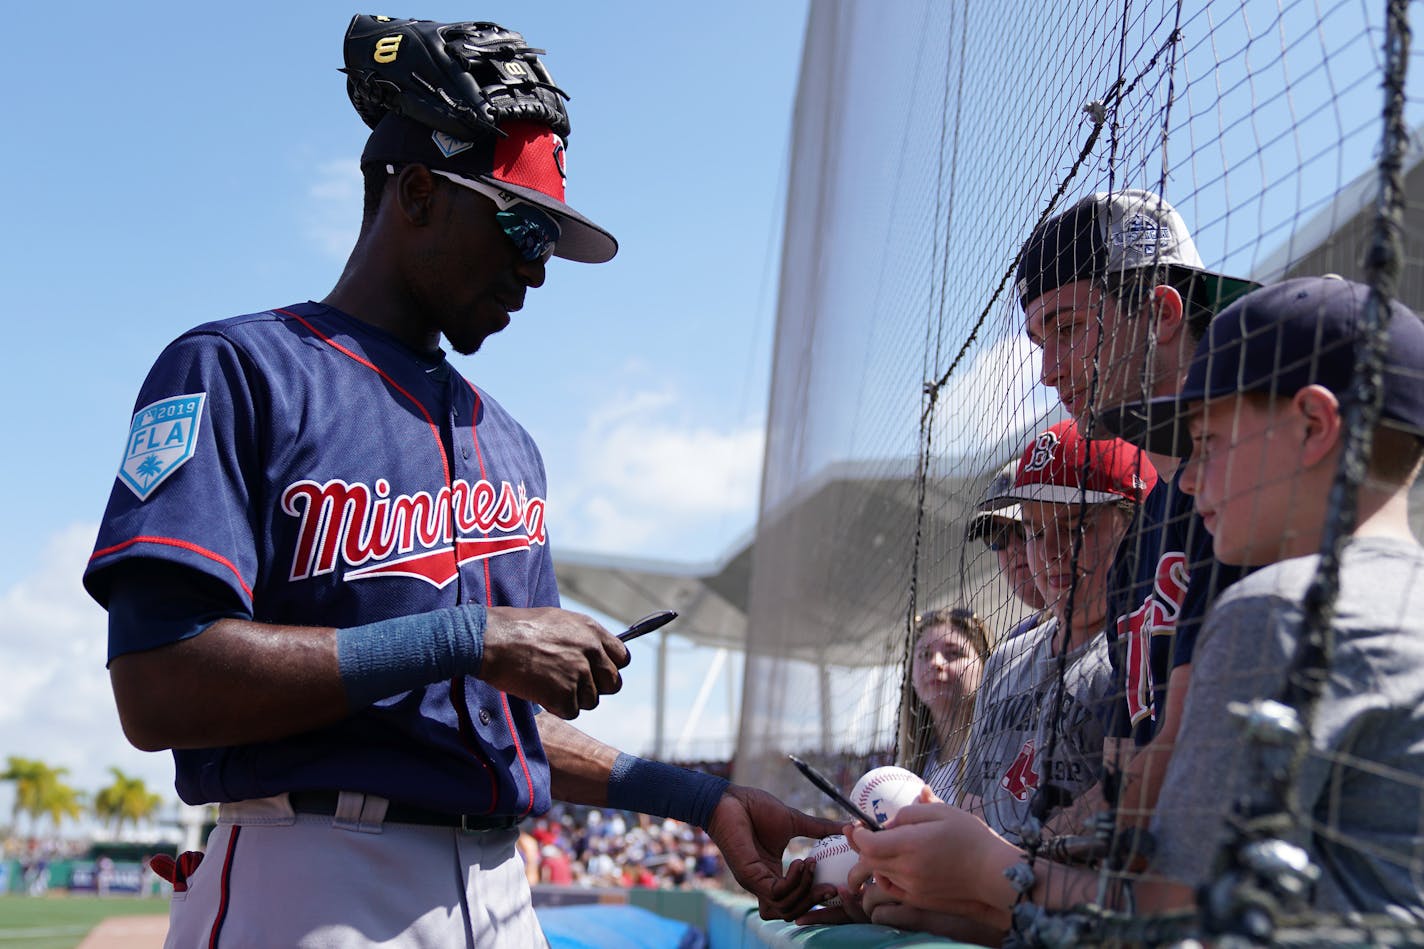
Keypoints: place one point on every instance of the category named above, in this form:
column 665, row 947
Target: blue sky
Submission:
column 190, row 162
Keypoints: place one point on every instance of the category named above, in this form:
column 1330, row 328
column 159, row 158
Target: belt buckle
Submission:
column 465, row 827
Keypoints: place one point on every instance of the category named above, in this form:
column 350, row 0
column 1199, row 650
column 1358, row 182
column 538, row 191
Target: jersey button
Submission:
column 484, row 716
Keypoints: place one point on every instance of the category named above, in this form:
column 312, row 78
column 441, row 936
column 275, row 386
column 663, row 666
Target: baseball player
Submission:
column 1116, row 296
column 326, row 557
column 1261, row 414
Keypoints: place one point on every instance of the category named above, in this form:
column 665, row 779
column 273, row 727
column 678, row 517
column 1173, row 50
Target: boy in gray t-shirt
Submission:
column 1262, row 417
column 1360, row 788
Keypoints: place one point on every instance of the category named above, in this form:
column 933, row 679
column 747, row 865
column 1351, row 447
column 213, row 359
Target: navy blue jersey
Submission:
column 324, row 474
column 1163, row 579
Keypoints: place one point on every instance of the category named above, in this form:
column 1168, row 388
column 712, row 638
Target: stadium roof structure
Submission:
column 1336, row 238
column 868, row 503
column 710, row 598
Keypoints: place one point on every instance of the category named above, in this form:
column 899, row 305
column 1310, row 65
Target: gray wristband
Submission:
column 407, row 652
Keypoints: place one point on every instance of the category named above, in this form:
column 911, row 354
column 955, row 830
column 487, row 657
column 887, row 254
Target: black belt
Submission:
column 324, row 802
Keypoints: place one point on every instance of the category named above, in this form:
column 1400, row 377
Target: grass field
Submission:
column 62, row 921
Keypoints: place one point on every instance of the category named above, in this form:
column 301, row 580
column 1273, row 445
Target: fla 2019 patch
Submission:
column 163, row 436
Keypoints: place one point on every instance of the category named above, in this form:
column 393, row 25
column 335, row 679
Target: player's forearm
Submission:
column 583, row 770
column 1142, row 782
column 579, row 766
column 237, row 682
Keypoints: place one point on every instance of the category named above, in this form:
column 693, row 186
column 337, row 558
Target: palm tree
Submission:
column 61, row 801
column 39, row 791
column 126, row 799
column 30, row 776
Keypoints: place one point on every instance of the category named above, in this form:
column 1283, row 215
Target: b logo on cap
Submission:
column 1044, row 447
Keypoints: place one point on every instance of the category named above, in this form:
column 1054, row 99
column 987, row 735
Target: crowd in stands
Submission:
column 593, row 847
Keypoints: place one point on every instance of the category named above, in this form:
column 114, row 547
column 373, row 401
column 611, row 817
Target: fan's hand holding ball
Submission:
column 883, row 791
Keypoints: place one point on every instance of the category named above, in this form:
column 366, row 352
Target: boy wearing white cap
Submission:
column 1116, row 296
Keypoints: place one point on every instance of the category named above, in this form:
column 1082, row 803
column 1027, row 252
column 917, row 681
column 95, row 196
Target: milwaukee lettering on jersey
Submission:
column 430, row 535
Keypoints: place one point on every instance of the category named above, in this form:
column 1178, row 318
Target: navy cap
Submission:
column 1278, row 340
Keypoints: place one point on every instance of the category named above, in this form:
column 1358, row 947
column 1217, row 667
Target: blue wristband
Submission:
column 406, row 652
column 664, row 790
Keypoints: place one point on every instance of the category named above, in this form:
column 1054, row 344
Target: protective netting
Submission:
column 930, row 139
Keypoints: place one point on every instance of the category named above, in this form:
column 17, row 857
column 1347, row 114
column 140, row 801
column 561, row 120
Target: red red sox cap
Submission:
column 1060, row 466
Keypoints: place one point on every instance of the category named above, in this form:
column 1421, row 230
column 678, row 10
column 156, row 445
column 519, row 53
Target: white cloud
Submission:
column 644, row 473
column 333, row 207
column 58, row 706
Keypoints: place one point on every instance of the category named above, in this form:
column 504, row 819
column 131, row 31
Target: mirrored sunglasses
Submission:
column 533, row 232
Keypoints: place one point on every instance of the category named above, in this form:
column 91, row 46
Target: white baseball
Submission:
column 883, row 791
column 834, row 858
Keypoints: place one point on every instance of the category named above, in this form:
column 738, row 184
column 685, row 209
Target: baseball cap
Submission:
column 528, row 162
column 1060, row 466
column 1278, row 340
column 1112, row 232
column 981, row 525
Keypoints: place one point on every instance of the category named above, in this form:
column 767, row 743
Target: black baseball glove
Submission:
column 459, row 78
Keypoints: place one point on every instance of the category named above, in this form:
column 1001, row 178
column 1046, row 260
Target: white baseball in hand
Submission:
column 834, row 860
column 882, row 792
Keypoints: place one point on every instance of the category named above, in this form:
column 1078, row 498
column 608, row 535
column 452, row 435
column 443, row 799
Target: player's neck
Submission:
column 1382, row 512
column 372, row 290
column 1165, row 465
column 383, row 312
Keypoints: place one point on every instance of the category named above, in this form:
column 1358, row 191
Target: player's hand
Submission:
column 879, row 907
column 752, row 828
column 561, row 660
